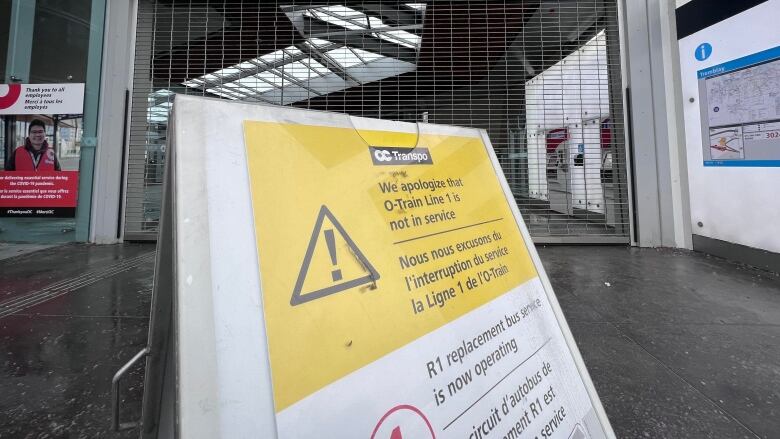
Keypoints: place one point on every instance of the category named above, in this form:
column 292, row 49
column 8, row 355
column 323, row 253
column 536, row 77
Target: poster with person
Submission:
column 41, row 139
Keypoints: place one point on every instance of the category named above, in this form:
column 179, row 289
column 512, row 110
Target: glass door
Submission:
column 49, row 50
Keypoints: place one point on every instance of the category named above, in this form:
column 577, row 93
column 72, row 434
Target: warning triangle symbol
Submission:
column 327, row 238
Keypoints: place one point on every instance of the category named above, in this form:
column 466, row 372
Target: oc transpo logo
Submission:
column 10, row 98
column 387, row 156
column 383, row 155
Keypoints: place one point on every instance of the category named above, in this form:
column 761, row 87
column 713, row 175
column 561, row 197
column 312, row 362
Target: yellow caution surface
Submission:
column 369, row 240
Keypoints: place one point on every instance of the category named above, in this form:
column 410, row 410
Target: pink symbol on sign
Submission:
column 400, row 419
column 14, row 90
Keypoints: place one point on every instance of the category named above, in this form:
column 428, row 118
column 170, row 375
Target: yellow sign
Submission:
column 369, row 240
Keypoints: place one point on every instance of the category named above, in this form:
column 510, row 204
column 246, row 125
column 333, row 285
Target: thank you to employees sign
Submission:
column 39, row 175
column 38, row 194
column 18, row 99
column 400, row 297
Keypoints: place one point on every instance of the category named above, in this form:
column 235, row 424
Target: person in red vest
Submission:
column 35, row 154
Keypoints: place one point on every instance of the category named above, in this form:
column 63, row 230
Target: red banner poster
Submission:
column 39, row 194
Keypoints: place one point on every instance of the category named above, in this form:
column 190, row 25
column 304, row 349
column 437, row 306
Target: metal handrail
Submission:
column 115, row 424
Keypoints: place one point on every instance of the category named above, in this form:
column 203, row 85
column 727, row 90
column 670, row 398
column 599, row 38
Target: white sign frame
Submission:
column 223, row 380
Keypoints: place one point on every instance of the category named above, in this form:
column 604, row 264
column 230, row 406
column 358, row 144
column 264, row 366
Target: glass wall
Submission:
column 49, row 50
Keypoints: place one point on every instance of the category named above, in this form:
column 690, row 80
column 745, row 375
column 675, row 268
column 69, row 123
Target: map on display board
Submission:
column 745, row 96
column 402, row 295
column 741, row 99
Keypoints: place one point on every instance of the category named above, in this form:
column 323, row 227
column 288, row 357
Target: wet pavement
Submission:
column 678, row 344
column 62, row 346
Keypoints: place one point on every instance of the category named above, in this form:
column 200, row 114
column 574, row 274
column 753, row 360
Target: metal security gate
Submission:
column 542, row 77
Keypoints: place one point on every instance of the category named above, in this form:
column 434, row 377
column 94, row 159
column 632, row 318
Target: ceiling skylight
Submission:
column 344, row 56
column 318, row 42
column 365, row 55
column 316, row 66
column 323, row 66
column 297, row 70
column 386, row 33
column 352, row 19
column 279, row 55
column 339, row 15
column 223, row 93
column 257, row 84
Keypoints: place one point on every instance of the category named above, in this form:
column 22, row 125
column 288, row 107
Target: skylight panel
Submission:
column 375, row 23
column 292, row 50
column 339, row 15
column 221, row 74
column 193, row 83
column 254, row 84
column 401, row 37
column 226, row 72
column 344, row 57
column 274, row 79
column 247, row 65
column 262, row 78
column 318, row 42
column 279, row 55
column 341, row 10
column 297, row 70
column 366, row 55
column 241, row 91
column 316, row 66
column 220, row 92
column 405, row 36
column 339, row 22
column 273, row 56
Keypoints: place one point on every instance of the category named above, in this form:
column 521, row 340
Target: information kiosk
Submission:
column 321, row 275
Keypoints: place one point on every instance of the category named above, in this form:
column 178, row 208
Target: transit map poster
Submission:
column 400, row 296
column 42, row 126
column 741, row 104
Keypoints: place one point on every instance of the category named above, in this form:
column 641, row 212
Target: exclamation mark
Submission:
column 331, row 241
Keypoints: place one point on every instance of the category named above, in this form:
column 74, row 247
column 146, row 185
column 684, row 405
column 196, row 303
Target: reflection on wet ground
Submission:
column 678, row 344
column 81, row 312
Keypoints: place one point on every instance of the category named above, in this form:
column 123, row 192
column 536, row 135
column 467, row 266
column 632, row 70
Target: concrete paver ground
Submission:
column 679, row 344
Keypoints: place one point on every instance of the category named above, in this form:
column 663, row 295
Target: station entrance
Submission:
column 543, row 78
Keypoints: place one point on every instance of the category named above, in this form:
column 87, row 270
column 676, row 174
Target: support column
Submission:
column 89, row 133
column 20, row 40
column 660, row 193
column 107, row 199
